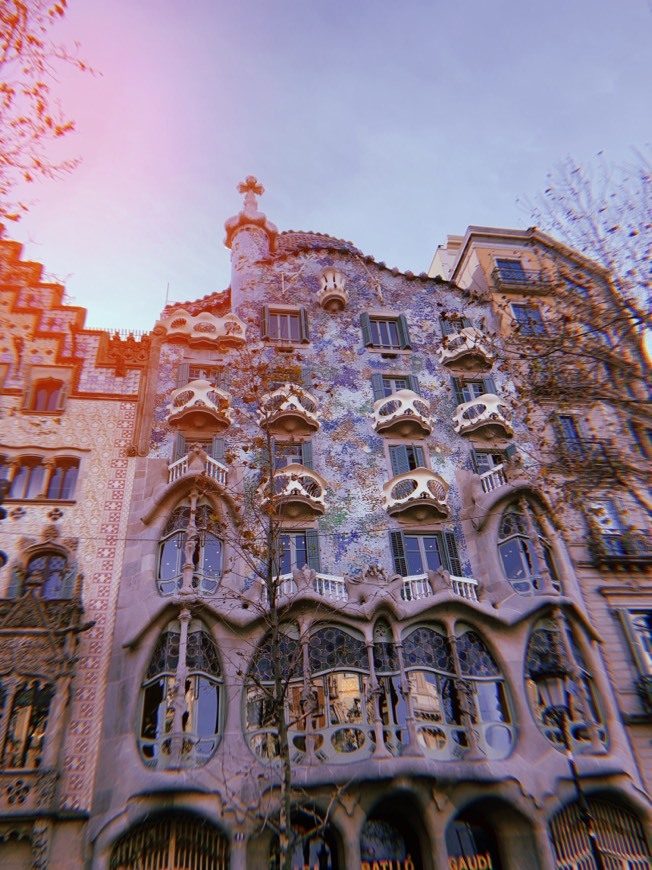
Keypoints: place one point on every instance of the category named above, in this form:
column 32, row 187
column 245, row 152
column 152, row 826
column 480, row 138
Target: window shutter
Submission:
column 15, row 582
column 446, row 326
column 457, row 390
column 179, row 446
column 264, row 322
column 413, row 384
column 399, row 459
column 510, row 451
column 481, row 462
column 307, row 377
column 403, row 332
column 451, row 556
column 306, row 454
column 397, row 546
column 419, row 457
column 466, row 322
column 183, row 374
column 378, row 386
column 490, row 386
column 68, row 585
column 365, row 326
column 217, row 450
column 312, row 547
column 303, row 325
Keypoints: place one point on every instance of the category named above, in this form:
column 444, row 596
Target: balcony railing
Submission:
column 466, row 350
column 199, row 404
column 418, row 587
column 325, row 585
column 417, row 495
column 211, row 468
column 624, row 546
column 487, row 413
column 404, row 414
column 297, row 492
column 516, row 279
column 493, row 479
column 289, row 409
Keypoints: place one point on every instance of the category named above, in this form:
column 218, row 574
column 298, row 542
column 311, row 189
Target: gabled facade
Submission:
column 427, row 581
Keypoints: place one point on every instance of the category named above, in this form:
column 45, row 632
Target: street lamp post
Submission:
column 550, row 679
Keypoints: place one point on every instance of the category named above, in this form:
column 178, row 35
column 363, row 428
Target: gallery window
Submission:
column 179, row 727
column 26, row 705
column 29, row 478
column 518, row 554
column 206, row 556
column 63, row 478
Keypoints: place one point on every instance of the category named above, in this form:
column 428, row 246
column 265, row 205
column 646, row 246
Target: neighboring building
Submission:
column 431, row 588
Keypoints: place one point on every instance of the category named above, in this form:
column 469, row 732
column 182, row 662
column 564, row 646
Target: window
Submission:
column 37, row 477
column 452, row 325
column 466, row 390
column 406, row 457
column 172, row 841
column 27, row 707
column 48, row 574
column 416, row 554
column 486, row 460
column 528, row 319
column 28, row 479
column 213, row 447
column 511, row 270
column 298, row 549
column 207, row 551
column 282, row 325
column 569, row 434
column 194, row 718
column 63, row 479
column 385, row 385
column 518, row 555
column 638, row 628
column 47, row 396
column 386, row 333
column 289, row 452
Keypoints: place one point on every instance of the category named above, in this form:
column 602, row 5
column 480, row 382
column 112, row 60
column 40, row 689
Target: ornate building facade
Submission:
column 462, row 644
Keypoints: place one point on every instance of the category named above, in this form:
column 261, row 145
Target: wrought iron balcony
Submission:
column 628, row 547
column 487, row 414
column 466, row 350
column 535, row 280
column 200, row 405
column 404, row 414
column 205, row 328
column 289, row 410
column 206, row 465
column 333, row 294
column 297, row 493
column 416, row 496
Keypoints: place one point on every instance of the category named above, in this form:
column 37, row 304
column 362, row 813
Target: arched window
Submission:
column 518, row 554
column 47, row 395
column 551, row 651
column 180, row 725
column 176, row 842
column 436, row 674
column 48, row 574
column 206, row 556
column 26, row 704
column 28, row 479
column 63, row 478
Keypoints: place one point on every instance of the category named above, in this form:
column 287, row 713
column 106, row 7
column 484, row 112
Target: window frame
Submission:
column 291, row 312
column 373, row 343
column 380, row 386
column 407, row 456
column 446, row 547
column 311, row 549
column 511, row 270
column 641, row 655
column 527, row 325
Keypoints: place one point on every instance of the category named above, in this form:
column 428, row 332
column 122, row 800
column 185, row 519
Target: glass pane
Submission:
column 69, row 481
column 54, row 486
column 490, row 699
column 295, row 332
column 205, row 710
column 171, row 557
column 514, row 563
column 431, row 550
column 35, row 485
column 212, row 558
column 345, row 696
column 17, row 489
column 424, row 695
column 413, row 555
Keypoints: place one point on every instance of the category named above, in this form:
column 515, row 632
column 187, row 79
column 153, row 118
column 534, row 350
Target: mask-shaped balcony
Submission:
column 416, row 496
column 466, row 350
column 289, row 410
column 332, row 295
column 486, row 415
column 403, row 414
column 298, row 493
column 200, row 405
column 204, row 329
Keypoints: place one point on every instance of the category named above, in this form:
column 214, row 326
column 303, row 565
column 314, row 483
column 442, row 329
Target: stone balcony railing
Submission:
column 204, row 328
column 416, row 496
column 27, row 791
column 206, row 465
column 298, row 493
column 327, row 586
column 333, row 294
column 289, row 410
column 493, row 479
column 418, row 587
column 466, row 350
column 200, row 405
column 404, row 414
column 486, row 415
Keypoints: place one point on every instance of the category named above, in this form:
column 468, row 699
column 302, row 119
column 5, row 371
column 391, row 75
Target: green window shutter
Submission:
column 466, row 322
column 15, row 582
column 419, row 457
column 481, row 462
column 365, row 326
column 179, row 446
column 183, row 374
column 377, row 386
column 312, row 547
column 68, row 585
column 264, row 322
column 303, row 325
column 490, row 386
column 399, row 459
column 306, row 454
column 307, row 377
column 403, row 332
column 446, row 326
column 457, row 391
column 451, row 556
column 397, row 546
column 217, row 451
column 413, row 384
column 510, row 451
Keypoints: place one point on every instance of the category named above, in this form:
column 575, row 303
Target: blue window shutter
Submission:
column 377, row 386
column 446, row 326
column 312, row 546
column 489, row 385
column 397, row 546
column 413, row 384
column 218, row 447
column 264, row 322
column 303, row 325
column 510, row 451
column 365, row 326
column 403, row 332
column 451, row 556
column 399, row 459
column 419, row 457
column 457, row 391
column 179, row 446
column 306, row 454
column 183, row 374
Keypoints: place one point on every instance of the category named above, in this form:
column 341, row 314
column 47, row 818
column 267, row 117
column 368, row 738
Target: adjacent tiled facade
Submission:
column 428, row 579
